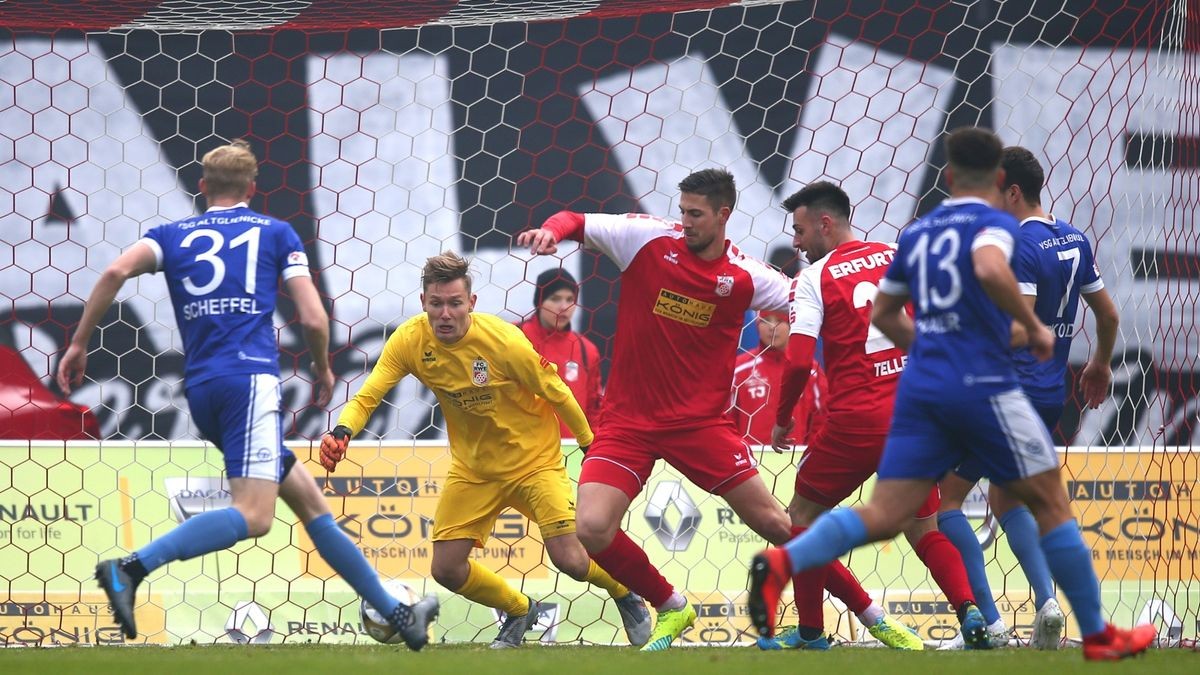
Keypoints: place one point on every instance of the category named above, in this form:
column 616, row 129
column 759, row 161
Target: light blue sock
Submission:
column 204, row 533
column 1022, row 532
column 345, row 558
column 833, row 535
column 1070, row 562
column 958, row 530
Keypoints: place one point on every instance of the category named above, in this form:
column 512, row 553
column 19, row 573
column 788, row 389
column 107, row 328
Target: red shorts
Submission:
column 715, row 457
column 835, row 465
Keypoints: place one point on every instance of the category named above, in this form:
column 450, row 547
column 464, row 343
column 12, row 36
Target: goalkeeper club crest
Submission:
column 479, row 372
column 724, row 286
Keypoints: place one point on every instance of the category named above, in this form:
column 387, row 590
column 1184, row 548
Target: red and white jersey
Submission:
column 756, row 393
column 831, row 299
column 679, row 320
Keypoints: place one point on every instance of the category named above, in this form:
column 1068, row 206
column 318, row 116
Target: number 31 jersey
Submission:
column 831, row 300
column 222, row 269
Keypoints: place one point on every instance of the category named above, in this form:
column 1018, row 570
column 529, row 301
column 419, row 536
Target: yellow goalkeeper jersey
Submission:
column 497, row 394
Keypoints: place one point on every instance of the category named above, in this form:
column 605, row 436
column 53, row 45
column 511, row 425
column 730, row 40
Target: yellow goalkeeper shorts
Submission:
column 468, row 507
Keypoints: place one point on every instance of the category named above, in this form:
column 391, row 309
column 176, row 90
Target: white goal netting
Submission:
column 392, row 131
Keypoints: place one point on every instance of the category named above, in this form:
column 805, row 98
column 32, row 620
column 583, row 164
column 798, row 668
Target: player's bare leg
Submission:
column 568, row 555
column 760, row 510
column 601, row 507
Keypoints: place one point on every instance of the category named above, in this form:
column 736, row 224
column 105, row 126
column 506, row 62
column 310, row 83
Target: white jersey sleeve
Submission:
column 620, row 237
column 995, row 236
column 807, row 313
column 771, row 288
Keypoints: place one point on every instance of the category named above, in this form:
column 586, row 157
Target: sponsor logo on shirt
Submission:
column 479, row 372
column 683, row 309
column 427, row 356
column 672, row 257
column 470, row 399
column 297, row 258
column 724, row 286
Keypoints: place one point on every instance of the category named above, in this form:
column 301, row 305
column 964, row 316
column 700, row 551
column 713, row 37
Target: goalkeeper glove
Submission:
column 333, row 446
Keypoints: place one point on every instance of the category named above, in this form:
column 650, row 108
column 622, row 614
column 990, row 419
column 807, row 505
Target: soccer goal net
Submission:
column 392, row 131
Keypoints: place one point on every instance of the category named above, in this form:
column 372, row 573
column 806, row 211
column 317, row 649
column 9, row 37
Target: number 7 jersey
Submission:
column 831, row 300
column 1055, row 264
column 222, row 269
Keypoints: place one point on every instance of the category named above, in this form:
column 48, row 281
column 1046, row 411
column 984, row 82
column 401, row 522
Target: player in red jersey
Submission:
column 756, row 389
column 684, row 294
column 831, row 299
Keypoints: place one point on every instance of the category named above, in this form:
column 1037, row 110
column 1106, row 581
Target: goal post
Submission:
column 390, row 132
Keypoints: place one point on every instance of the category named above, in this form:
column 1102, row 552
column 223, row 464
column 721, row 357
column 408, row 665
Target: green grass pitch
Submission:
column 565, row 660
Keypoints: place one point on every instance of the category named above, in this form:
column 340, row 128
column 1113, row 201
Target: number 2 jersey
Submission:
column 679, row 320
column 962, row 337
column 1054, row 262
column 222, row 270
column 832, row 301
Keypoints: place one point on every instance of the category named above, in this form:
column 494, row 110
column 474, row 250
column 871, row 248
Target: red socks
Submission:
column 946, row 567
column 628, row 564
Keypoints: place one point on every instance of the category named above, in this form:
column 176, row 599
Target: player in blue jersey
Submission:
column 1055, row 267
column 222, row 270
column 959, row 398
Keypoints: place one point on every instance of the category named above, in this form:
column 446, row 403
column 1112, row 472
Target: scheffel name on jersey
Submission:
column 214, row 306
column 866, row 262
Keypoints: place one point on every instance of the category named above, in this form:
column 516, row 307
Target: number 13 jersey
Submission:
column 222, row 269
column 831, row 300
column 962, row 336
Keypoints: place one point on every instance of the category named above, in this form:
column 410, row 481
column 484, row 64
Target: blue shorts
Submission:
column 241, row 415
column 972, row 470
column 1002, row 433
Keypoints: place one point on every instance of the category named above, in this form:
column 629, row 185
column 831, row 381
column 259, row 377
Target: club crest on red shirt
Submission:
column 479, row 372
column 724, row 285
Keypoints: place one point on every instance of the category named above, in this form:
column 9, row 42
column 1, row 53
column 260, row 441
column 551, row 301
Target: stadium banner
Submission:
column 63, row 506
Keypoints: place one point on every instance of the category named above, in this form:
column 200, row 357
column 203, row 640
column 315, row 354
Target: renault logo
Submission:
column 249, row 624
column 669, row 502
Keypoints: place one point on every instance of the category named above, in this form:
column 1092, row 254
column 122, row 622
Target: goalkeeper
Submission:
column 499, row 399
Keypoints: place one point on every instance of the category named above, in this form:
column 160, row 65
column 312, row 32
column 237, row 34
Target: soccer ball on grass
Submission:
column 375, row 623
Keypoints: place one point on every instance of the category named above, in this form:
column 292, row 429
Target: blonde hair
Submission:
column 230, row 169
column 444, row 268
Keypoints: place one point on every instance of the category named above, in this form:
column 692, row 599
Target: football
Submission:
column 376, row 624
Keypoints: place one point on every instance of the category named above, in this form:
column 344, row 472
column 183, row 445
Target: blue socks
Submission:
column 207, row 532
column 1022, row 532
column 958, row 530
column 345, row 558
column 833, row 535
column 216, row 530
column 1070, row 562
